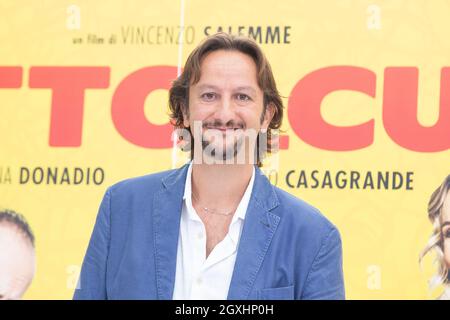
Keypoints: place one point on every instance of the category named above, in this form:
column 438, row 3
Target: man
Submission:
column 215, row 228
column 17, row 256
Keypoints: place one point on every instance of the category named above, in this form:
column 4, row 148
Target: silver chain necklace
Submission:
column 212, row 211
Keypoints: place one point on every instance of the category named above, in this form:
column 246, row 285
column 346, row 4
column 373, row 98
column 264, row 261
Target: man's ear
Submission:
column 185, row 116
column 268, row 116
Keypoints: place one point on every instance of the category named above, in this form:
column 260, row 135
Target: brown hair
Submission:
column 179, row 92
column 18, row 221
column 436, row 241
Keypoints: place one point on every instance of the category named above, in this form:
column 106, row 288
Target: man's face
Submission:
column 225, row 99
column 446, row 229
column 17, row 262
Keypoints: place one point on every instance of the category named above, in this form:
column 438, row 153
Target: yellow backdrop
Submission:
column 383, row 230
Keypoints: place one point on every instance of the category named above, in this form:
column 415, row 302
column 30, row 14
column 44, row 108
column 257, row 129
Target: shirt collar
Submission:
column 241, row 210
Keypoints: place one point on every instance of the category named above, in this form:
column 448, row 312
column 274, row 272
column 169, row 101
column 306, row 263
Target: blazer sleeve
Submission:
column 325, row 279
column 92, row 281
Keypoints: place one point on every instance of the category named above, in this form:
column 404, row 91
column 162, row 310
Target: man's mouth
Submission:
column 223, row 129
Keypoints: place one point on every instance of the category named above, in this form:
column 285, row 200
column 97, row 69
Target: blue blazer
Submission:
column 287, row 249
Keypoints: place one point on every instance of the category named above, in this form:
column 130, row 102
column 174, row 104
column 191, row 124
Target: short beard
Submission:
column 225, row 153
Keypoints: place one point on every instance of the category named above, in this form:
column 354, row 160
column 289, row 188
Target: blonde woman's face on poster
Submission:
column 446, row 228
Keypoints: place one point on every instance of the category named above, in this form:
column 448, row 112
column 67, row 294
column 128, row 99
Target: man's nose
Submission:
column 225, row 110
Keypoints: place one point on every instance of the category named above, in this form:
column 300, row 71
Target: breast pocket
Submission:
column 281, row 293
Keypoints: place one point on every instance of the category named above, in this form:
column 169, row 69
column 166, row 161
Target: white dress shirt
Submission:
column 198, row 277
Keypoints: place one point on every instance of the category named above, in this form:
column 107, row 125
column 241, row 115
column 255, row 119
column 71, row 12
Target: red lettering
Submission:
column 306, row 99
column 400, row 111
column 68, row 85
column 10, row 77
column 128, row 107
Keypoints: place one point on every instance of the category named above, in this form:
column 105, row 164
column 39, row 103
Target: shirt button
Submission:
column 199, row 235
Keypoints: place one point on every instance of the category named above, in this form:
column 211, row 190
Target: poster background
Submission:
column 383, row 231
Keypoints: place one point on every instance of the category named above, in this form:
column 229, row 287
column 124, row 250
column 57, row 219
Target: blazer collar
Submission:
column 263, row 191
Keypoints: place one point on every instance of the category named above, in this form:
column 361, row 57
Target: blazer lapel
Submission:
column 259, row 227
column 167, row 206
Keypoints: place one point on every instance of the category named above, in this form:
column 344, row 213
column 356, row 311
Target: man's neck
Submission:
column 220, row 184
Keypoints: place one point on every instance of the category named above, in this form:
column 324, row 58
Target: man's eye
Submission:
column 208, row 96
column 447, row 233
column 242, row 97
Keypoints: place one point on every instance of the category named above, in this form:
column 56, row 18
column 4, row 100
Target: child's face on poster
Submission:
column 17, row 262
